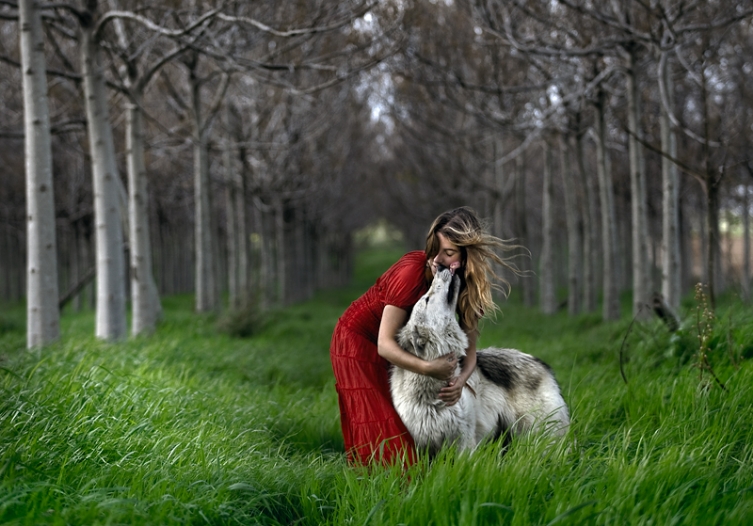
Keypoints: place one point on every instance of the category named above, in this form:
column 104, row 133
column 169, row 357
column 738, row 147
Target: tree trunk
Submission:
column 590, row 231
column 206, row 286
column 244, row 287
column 745, row 269
column 546, row 265
column 231, row 217
column 671, row 268
column 499, row 175
column 712, row 185
column 111, row 304
column 526, row 265
column 43, row 316
column 638, row 194
column 610, row 305
column 75, row 265
column 88, row 256
column 265, row 260
column 281, row 253
column 574, row 229
column 712, row 241
column 143, row 290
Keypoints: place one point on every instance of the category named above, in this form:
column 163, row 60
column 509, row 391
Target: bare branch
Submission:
column 608, row 20
column 59, row 128
column 684, row 167
column 53, row 72
column 670, row 112
column 509, row 38
column 297, row 32
column 716, row 25
column 127, row 15
column 219, row 95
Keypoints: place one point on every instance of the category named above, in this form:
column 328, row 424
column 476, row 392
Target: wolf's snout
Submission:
column 444, row 274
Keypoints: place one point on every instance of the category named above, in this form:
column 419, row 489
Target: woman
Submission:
column 364, row 341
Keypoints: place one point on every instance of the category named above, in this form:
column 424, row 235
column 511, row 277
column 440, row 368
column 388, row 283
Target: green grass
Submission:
column 191, row 426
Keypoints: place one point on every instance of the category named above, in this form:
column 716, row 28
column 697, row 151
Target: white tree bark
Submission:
column 206, row 280
column 206, row 299
column 638, row 193
column 499, row 175
column 670, row 247
column 546, row 266
column 111, row 304
column 590, row 230
column 237, row 224
column 207, row 289
column 43, row 317
column 231, row 217
column 244, row 286
column 528, row 285
column 264, row 248
column 281, row 253
column 144, row 297
column 574, row 222
column 146, row 307
column 745, row 271
column 610, row 305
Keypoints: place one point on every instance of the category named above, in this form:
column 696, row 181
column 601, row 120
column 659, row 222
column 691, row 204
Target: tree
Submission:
column 43, row 317
column 670, row 248
column 547, row 286
column 574, row 221
column 111, row 300
column 610, row 299
column 135, row 75
column 207, row 286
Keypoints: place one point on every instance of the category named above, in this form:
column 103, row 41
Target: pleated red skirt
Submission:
column 372, row 429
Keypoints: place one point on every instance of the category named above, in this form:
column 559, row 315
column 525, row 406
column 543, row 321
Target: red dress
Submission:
column 371, row 427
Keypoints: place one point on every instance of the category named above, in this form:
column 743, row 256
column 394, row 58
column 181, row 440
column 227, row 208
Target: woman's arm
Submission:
column 393, row 318
column 451, row 393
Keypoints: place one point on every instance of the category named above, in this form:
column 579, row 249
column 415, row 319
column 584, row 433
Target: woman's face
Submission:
column 449, row 255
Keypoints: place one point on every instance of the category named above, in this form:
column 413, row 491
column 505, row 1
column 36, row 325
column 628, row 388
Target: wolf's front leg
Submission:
column 468, row 415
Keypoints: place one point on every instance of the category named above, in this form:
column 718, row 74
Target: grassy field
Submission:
column 192, row 426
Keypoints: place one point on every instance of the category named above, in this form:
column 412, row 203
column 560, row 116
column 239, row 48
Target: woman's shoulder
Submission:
column 415, row 259
column 404, row 282
column 414, row 256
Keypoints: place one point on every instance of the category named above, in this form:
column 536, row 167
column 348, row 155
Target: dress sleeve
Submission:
column 405, row 282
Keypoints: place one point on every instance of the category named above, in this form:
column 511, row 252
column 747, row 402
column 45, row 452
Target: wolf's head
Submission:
column 432, row 329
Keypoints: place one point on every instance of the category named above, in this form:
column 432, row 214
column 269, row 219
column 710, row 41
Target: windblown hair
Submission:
column 479, row 250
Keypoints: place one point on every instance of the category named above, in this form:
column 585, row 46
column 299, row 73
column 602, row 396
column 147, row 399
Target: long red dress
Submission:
column 371, row 427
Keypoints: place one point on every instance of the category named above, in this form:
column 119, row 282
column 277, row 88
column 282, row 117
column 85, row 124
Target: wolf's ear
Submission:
column 455, row 288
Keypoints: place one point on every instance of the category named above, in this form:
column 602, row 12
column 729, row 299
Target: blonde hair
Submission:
column 462, row 227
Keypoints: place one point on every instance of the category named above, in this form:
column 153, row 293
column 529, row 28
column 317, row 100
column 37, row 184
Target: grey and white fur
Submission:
column 509, row 392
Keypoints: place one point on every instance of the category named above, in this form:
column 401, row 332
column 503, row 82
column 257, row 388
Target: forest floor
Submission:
column 193, row 425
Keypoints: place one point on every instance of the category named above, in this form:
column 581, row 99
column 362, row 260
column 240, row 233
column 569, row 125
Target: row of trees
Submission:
column 226, row 146
column 638, row 114
column 162, row 75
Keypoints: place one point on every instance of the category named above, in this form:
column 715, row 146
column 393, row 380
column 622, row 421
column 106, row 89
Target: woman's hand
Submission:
column 450, row 394
column 442, row 368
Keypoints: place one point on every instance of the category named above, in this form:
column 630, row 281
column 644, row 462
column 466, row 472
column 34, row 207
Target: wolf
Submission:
column 509, row 393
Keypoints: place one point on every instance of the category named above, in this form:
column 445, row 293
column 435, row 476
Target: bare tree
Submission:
column 43, row 317
column 610, row 300
column 135, row 75
column 670, row 253
column 573, row 216
column 546, row 277
column 111, row 299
